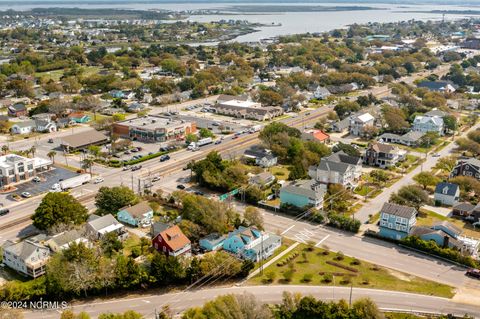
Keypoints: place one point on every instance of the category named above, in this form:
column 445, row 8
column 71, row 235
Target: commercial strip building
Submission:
column 154, row 129
column 83, row 140
column 15, row 168
column 241, row 108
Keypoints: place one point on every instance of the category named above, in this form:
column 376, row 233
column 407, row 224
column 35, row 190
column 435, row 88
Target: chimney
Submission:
column 445, row 241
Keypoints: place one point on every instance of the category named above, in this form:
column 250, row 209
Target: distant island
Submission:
column 249, row 9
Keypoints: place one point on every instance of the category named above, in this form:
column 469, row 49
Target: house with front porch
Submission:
column 26, row 257
column 383, row 155
column 137, row 215
column 338, row 168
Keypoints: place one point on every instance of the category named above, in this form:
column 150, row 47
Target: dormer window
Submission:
column 445, row 190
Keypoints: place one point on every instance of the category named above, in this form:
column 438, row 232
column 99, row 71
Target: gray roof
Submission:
column 159, row 227
column 422, row 231
column 444, row 224
column 399, row 210
column 99, row 223
column 451, row 188
column 84, row 138
column 467, row 207
column 472, row 161
column 23, row 249
column 272, row 238
column 138, row 210
column 435, row 85
column 308, row 188
column 66, row 237
column 25, row 123
column 214, row 238
column 338, row 162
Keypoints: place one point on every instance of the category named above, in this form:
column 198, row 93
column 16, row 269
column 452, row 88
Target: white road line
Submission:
column 286, row 230
column 321, row 241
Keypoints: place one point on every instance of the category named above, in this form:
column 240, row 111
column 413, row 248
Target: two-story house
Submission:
column 426, row 123
column 262, row 180
column 26, row 257
column 250, row 243
column 140, row 214
column 358, row 123
column 303, row 193
column 99, row 226
column 338, row 168
column 396, row 221
column 383, row 155
column 170, row 240
column 446, row 194
column 321, row 93
column 63, row 240
column 467, row 167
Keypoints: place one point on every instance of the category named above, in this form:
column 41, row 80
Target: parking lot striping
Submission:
column 322, row 240
column 286, row 230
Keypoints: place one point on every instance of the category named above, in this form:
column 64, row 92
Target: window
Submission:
column 30, row 167
column 385, row 216
column 11, row 172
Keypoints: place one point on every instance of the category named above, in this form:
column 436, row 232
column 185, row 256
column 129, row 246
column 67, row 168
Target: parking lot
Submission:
column 48, row 178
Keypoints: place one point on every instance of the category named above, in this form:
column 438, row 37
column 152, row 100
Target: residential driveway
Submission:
column 444, row 211
column 48, row 179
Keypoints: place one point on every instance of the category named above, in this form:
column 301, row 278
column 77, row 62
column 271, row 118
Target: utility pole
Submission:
column 351, row 291
column 261, row 256
column 132, row 184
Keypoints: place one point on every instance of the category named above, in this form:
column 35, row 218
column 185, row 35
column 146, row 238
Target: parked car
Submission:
column 136, row 168
column 4, row 211
column 36, row 179
column 218, row 142
column 50, row 140
column 133, row 150
column 155, row 179
column 26, row 195
column 199, row 193
column 474, row 273
column 126, row 168
column 126, row 152
column 180, row 186
column 98, row 180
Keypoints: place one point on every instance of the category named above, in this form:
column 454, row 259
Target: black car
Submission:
column 474, row 273
column 164, row 158
column 4, row 211
column 50, row 140
column 198, row 193
column 180, row 186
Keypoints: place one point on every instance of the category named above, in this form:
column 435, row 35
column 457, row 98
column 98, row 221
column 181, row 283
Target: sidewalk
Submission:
column 274, row 259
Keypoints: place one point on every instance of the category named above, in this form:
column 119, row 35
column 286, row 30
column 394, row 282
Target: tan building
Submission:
column 15, row 168
column 154, row 129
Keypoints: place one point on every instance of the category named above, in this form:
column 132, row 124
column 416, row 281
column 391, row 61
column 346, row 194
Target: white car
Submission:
column 98, row 180
column 26, row 195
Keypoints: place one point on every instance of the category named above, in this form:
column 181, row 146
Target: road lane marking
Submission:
column 322, row 240
column 286, row 230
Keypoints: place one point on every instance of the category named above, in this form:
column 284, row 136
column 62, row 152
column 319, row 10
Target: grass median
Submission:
column 314, row 266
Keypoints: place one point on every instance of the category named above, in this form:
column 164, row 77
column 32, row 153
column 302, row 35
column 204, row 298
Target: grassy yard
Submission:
column 129, row 243
column 317, row 266
column 408, row 165
column 428, row 218
column 280, row 172
column 285, row 244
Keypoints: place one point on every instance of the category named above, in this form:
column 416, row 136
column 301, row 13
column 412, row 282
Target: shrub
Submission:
column 356, row 262
column 365, row 281
column 339, row 256
column 270, row 277
column 345, row 280
column 307, row 278
column 344, row 222
column 288, row 275
column 327, row 278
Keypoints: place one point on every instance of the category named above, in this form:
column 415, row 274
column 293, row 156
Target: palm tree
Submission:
column 51, row 155
column 87, row 163
column 32, row 150
column 5, row 149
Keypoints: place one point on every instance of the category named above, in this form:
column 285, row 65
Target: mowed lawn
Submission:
column 315, row 266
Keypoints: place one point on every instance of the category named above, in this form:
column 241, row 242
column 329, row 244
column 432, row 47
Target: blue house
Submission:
column 117, row 94
column 250, row 243
column 396, row 221
column 137, row 215
column 212, row 242
column 444, row 234
column 303, row 193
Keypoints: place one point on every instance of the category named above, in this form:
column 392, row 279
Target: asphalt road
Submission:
column 178, row 302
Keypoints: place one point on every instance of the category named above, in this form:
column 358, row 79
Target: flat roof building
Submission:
column 241, row 108
column 16, row 168
column 154, row 129
column 83, row 140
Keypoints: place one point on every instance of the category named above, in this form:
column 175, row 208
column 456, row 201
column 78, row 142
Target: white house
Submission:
column 321, row 93
column 359, row 122
column 23, row 127
column 447, row 194
column 426, row 123
column 338, row 168
column 26, row 257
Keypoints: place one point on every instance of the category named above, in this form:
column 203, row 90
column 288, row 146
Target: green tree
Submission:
column 450, row 123
column 59, row 208
column 51, row 155
column 426, row 179
column 206, row 133
column 253, row 217
column 410, row 195
column 110, row 199
column 446, row 164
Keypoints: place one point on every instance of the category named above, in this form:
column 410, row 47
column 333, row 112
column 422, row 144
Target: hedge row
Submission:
column 118, row 163
column 333, row 263
column 288, row 259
